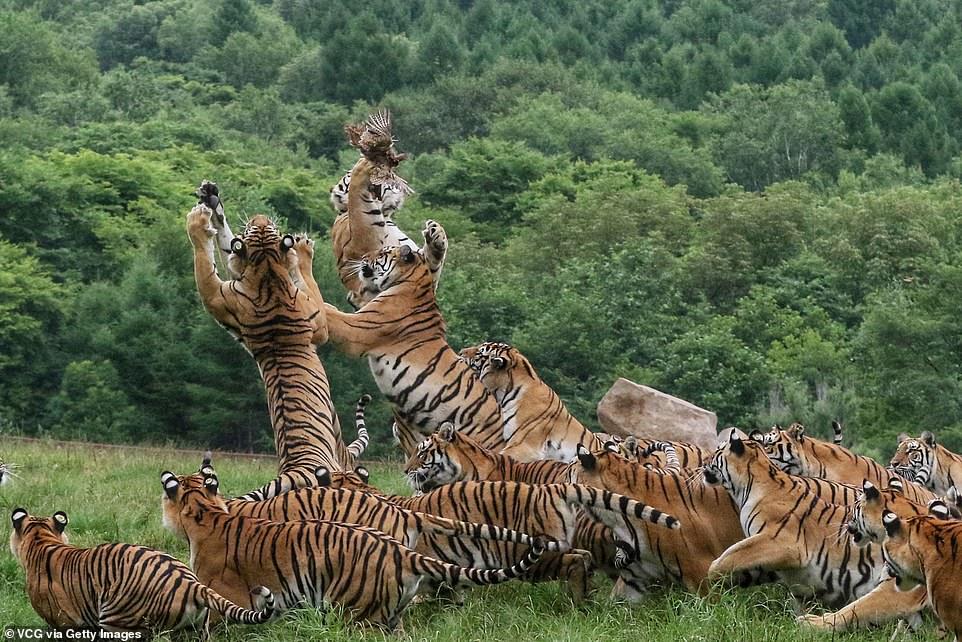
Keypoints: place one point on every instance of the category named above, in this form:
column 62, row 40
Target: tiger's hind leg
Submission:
column 883, row 603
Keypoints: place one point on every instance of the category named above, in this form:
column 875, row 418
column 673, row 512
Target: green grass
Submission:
column 114, row 495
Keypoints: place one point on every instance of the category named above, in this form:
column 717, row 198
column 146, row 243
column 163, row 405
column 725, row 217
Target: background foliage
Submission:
column 752, row 205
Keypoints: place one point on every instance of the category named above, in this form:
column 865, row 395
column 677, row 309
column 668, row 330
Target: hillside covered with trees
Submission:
column 751, row 205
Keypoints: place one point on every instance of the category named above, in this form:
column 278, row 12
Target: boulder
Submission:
column 629, row 408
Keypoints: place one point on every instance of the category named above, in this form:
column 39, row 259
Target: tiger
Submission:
column 648, row 453
column 929, row 463
column 357, row 507
column 369, row 574
column 278, row 323
column 367, row 198
column 402, row 333
column 117, row 587
column 884, row 602
column 789, row 528
column 447, row 456
column 549, row 509
column 537, row 424
column 925, row 551
column 796, row 453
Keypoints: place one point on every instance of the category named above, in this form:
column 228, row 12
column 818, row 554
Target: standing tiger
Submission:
column 278, row 323
column 927, row 551
column 929, row 463
column 537, row 424
column 117, row 587
column 371, row 575
column 403, row 335
column 367, row 198
column 789, row 528
column 799, row 454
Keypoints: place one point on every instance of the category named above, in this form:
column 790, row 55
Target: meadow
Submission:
column 114, row 495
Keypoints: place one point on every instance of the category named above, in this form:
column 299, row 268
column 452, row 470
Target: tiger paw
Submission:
column 199, row 226
column 435, row 237
column 815, row 621
column 304, row 247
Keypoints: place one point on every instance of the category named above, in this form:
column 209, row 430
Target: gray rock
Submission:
column 629, row 408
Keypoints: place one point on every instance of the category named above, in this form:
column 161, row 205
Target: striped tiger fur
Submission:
column 925, row 551
column 649, row 453
column 356, row 448
column 928, row 463
column 789, row 529
column 369, row 574
column 361, row 508
column 402, row 334
column 537, row 424
column 447, row 456
column 799, row 454
column 884, row 602
column 117, row 586
column 278, row 323
column 549, row 509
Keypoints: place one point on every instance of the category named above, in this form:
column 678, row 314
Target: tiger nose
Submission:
column 366, row 271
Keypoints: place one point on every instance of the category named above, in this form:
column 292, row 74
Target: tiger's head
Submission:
column 261, row 246
column 501, row 367
column 29, row 530
column 785, row 448
column 443, row 458
column 604, row 468
column 866, row 526
column 189, row 497
column 736, row 461
column 356, row 479
column 915, row 458
column 904, row 538
column 391, row 266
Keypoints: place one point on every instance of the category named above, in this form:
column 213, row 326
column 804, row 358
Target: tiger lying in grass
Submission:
column 117, row 587
column 369, row 574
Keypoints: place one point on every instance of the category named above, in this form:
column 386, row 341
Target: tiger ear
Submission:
column 323, row 476
column 363, row 473
column 736, row 443
column 903, row 436
column 17, row 517
column 892, row 523
column 211, row 485
column 447, row 431
column 588, row 461
column 939, row 509
column 237, row 246
column 171, row 486
column 757, row 435
column 895, row 483
column 406, row 253
column 59, row 521
column 928, row 439
column 206, row 461
column 287, row 242
column 870, row 491
column 500, row 363
column 611, row 446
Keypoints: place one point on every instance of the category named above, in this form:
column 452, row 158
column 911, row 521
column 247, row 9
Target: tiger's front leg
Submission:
column 435, row 248
column 883, row 603
column 757, row 551
column 209, row 195
column 301, row 267
column 209, row 286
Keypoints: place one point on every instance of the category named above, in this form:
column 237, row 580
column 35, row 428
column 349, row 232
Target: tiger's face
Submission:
column 29, row 529
column 494, row 363
column 783, row 447
column 606, row 468
column 261, row 244
column 914, row 458
column 390, row 266
column 902, row 561
column 735, row 462
column 188, row 497
column 866, row 526
column 436, row 461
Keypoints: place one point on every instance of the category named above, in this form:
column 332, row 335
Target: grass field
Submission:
column 114, row 495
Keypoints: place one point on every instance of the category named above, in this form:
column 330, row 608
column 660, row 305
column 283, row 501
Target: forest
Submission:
column 754, row 206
